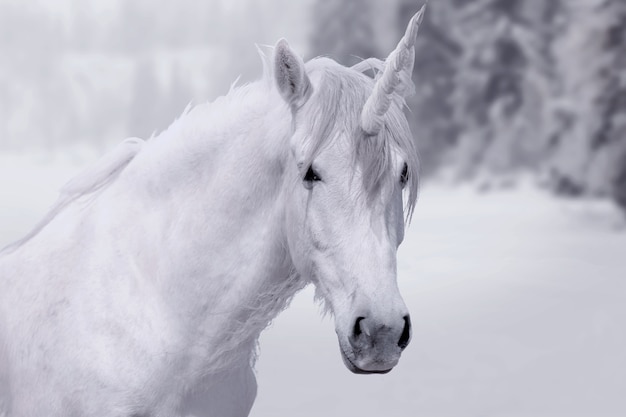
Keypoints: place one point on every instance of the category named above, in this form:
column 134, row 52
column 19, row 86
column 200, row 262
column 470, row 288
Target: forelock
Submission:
column 334, row 112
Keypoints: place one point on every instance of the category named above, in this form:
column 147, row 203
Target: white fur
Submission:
column 147, row 297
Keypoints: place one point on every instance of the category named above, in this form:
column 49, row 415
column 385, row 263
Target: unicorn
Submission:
column 144, row 290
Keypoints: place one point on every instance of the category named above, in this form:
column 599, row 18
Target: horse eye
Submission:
column 404, row 177
column 311, row 175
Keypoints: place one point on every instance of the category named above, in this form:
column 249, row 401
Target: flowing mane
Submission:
column 88, row 181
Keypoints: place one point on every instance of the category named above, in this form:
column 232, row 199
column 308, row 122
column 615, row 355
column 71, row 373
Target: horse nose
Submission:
column 367, row 333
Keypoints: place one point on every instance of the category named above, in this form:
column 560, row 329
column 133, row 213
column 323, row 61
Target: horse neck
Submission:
column 212, row 190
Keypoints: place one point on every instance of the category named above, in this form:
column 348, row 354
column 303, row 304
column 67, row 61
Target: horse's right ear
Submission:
column 290, row 76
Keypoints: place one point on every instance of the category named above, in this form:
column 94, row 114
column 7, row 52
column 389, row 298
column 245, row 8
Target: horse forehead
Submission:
column 339, row 82
column 343, row 166
column 343, row 153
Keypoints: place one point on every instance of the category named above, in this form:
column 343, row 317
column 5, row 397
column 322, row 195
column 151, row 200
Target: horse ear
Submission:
column 290, row 76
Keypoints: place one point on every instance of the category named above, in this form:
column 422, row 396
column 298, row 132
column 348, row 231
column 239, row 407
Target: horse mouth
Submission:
column 355, row 369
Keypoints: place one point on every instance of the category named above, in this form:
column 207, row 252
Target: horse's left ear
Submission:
column 290, row 76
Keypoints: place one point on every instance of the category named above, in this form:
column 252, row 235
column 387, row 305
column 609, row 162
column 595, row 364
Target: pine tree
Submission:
column 610, row 142
column 613, row 133
column 591, row 63
column 500, row 88
column 619, row 180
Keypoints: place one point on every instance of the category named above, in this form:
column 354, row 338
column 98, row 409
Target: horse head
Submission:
column 352, row 164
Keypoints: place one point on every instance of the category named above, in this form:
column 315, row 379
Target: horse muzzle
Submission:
column 374, row 348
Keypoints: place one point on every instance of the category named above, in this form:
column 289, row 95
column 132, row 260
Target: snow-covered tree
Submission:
column 591, row 61
column 614, row 126
column 609, row 158
column 501, row 87
column 618, row 183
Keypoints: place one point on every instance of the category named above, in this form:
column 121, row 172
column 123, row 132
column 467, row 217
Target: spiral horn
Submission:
column 398, row 65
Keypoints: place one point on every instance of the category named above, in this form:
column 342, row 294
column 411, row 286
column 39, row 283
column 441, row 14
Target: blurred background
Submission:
column 514, row 266
column 503, row 86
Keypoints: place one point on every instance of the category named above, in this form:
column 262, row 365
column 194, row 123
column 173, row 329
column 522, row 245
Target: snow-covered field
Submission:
column 519, row 308
column 518, row 302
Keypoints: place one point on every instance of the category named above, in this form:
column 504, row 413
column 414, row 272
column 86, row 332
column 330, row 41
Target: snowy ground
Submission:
column 518, row 302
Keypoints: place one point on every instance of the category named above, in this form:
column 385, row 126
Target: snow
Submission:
column 517, row 300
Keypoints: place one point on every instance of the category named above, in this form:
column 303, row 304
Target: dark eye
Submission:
column 311, row 175
column 404, row 177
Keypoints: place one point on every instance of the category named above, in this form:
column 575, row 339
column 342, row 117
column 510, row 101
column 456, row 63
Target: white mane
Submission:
column 88, row 181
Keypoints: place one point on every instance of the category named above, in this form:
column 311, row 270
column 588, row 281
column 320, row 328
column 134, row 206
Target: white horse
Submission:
column 145, row 289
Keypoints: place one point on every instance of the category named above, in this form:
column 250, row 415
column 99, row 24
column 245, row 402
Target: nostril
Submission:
column 406, row 333
column 356, row 330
